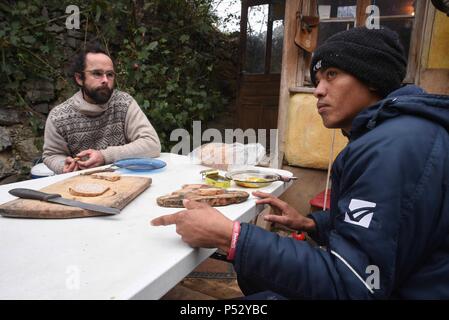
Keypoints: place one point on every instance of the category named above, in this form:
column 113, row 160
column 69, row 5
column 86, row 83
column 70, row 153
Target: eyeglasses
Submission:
column 98, row 74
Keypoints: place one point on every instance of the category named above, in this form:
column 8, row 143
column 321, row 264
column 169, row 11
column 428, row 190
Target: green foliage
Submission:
column 166, row 54
column 26, row 49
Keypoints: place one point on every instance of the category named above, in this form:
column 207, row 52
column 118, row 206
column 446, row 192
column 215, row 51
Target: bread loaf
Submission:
column 202, row 193
column 216, row 155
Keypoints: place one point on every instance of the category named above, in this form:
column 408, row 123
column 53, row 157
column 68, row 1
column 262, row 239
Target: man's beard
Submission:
column 99, row 95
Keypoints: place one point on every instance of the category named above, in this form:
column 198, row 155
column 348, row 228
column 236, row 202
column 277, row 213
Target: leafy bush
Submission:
column 166, row 54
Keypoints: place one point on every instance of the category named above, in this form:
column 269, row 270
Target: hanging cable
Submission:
column 331, row 158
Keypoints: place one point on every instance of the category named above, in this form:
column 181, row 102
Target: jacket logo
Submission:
column 361, row 213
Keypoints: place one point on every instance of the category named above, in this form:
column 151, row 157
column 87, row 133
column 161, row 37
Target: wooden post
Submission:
column 243, row 26
column 242, row 58
column 420, row 39
column 423, row 52
column 361, row 14
column 290, row 57
column 268, row 43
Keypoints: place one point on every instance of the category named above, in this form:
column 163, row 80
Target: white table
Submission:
column 109, row 257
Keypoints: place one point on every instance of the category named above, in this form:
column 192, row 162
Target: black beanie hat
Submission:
column 374, row 56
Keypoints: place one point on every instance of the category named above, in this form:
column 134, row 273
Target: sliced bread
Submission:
column 88, row 190
column 109, row 176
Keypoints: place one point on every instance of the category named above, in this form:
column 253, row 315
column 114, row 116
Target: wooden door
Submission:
column 261, row 39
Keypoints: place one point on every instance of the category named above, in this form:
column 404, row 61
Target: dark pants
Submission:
column 253, row 291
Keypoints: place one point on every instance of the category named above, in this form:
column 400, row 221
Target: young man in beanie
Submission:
column 387, row 232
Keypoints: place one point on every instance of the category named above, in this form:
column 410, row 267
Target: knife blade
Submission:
column 56, row 198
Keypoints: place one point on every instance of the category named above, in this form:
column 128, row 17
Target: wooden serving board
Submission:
column 121, row 192
column 202, row 193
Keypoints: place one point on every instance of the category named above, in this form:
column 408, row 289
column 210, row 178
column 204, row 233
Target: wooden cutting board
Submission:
column 202, row 193
column 120, row 193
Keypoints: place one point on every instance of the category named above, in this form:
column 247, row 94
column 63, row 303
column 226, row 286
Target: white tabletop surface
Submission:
column 109, row 257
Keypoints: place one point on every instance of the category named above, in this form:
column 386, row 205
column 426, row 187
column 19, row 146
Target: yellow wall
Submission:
column 439, row 46
column 307, row 140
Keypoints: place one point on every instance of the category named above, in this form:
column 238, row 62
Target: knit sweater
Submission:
column 118, row 129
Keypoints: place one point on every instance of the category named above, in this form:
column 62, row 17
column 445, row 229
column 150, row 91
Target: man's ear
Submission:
column 78, row 79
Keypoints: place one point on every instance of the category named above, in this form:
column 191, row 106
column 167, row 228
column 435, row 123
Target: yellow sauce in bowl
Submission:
column 253, row 182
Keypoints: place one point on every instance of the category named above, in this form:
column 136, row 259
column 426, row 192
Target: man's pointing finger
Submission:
column 164, row 220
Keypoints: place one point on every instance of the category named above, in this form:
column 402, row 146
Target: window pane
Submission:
column 403, row 27
column 328, row 29
column 396, row 7
column 256, row 39
column 276, row 46
column 337, row 9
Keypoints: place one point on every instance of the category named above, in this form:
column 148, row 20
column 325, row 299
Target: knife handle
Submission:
column 32, row 194
column 287, row 179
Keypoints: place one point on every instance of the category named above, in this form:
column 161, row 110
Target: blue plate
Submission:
column 140, row 164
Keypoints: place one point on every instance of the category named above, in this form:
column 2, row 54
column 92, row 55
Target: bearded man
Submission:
column 99, row 124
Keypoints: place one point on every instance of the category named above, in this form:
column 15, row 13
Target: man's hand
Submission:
column 70, row 165
column 94, row 159
column 284, row 214
column 200, row 225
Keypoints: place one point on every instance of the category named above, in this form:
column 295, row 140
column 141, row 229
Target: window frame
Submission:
column 303, row 83
column 268, row 44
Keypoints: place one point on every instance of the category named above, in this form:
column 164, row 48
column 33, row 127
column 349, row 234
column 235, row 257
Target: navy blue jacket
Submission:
column 387, row 232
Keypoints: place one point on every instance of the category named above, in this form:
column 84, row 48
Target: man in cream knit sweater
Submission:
column 98, row 125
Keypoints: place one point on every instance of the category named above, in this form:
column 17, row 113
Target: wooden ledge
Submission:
column 301, row 89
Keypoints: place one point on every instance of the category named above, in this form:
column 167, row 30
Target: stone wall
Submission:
column 18, row 146
column 21, row 142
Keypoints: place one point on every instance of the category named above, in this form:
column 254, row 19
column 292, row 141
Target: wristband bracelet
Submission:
column 235, row 237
